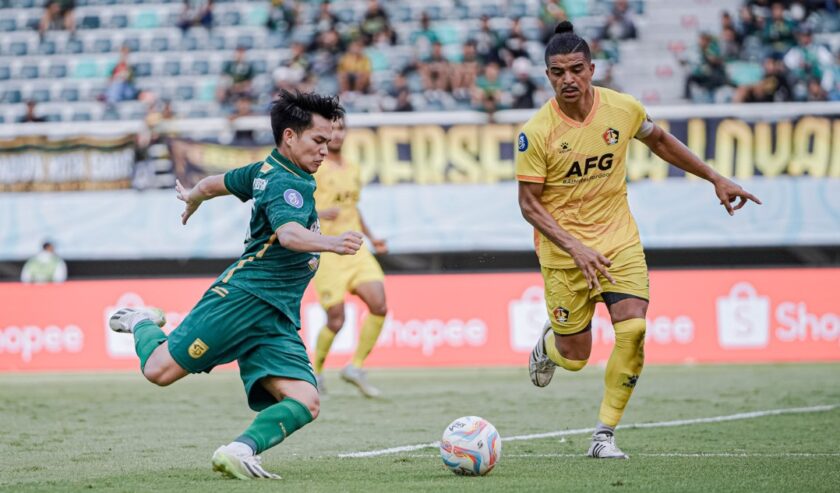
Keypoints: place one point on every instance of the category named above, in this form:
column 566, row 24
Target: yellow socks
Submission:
column 367, row 339
column 555, row 356
column 322, row 348
column 623, row 369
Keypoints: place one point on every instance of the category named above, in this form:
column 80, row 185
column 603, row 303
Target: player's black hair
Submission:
column 565, row 41
column 295, row 110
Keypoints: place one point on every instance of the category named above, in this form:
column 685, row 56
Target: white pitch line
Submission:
column 665, row 454
column 584, row 431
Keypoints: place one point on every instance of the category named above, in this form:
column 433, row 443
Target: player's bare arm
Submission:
column 669, row 148
column 588, row 260
column 328, row 214
column 207, row 188
column 295, row 237
column 380, row 246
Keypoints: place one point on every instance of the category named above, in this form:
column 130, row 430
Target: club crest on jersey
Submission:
column 293, row 198
column 561, row 314
column 611, row 136
column 523, row 142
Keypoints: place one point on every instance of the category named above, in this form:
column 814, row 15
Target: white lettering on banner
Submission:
column 660, row 330
column 743, row 318
column 428, row 335
column 30, row 340
column 120, row 345
column 797, row 324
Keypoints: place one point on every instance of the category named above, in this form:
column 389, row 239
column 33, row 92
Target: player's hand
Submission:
column 329, row 214
column 184, row 195
column 727, row 191
column 379, row 246
column 591, row 263
column 348, row 243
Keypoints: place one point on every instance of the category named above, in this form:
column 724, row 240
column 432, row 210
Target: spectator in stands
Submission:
column 204, row 17
column 292, row 73
column 488, row 92
column 398, row 95
column 237, row 76
column 514, row 45
column 324, row 20
column 190, row 17
column 523, row 89
column 488, row 42
column 807, row 60
column 551, row 14
column 816, row 91
column 354, row 70
column 710, row 73
column 747, row 25
column 730, row 48
column 599, row 51
column 464, row 74
column 778, row 30
column 58, row 15
column 121, row 83
column 242, row 107
column 423, row 39
column 325, row 51
column 283, row 13
column 619, row 25
column 435, row 71
column 773, row 87
column 831, row 80
column 374, row 22
column 404, row 101
column 31, row 115
column 44, row 267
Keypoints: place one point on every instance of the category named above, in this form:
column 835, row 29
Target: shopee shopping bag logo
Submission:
column 743, row 318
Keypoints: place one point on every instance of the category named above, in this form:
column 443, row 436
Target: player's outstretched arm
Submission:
column 295, row 237
column 588, row 260
column 207, row 188
column 669, row 148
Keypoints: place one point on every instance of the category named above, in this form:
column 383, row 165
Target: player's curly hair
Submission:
column 295, row 110
column 565, row 41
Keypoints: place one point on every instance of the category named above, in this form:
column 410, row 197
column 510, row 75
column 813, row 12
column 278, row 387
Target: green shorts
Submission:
column 230, row 324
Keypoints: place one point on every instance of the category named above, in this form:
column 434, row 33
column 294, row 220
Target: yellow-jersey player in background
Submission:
column 570, row 166
column 337, row 200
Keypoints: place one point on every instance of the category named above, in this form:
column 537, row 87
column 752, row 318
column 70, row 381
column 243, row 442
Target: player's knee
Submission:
column 379, row 308
column 574, row 364
column 313, row 404
column 158, row 374
column 335, row 322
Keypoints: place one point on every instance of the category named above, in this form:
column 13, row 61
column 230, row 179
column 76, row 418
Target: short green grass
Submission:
column 116, row 432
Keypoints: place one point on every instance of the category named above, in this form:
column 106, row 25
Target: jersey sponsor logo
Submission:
column 561, row 315
column 603, row 163
column 293, row 198
column 523, row 142
column 611, row 136
column 197, row 349
column 260, row 183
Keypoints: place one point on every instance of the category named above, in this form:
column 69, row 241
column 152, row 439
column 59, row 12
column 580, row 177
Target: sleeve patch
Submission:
column 645, row 129
column 293, row 198
column 523, row 142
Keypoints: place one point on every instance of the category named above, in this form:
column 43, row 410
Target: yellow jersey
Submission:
column 339, row 185
column 582, row 165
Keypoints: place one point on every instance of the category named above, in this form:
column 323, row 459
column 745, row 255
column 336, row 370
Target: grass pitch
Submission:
column 116, row 432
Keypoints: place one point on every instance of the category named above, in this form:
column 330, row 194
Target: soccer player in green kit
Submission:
column 251, row 313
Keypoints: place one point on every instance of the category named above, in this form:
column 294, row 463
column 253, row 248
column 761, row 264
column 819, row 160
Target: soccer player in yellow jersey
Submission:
column 337, row 200
column 570, row 166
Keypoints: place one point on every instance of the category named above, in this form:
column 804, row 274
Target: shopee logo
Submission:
column 428, row 335
column 30, row 340
column 798, row 324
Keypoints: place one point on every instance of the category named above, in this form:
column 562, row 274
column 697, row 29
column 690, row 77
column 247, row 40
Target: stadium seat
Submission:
column 29, row 71
column 73, row 46
column 206, row 90
column 40, row 94
column 70, row 94
column 231, row 18
column 133, row 43
column 172, row 68
column 5, row 72
column 256, row 16
column 118, row 21
column 184, row 92
column 245, row 40
column 90, row 21
column 18, row 48
column 46, row 47
column 200, row 67
column 743, row 73
column 146, row 19
column 189, row 43
column 160, row 43
column 85, row 68
column 11, row 96
column 102, row 45
column 81, row 116
column 57, row 70
column 576, row 8
column 142, row 69
column 217, row 42
column 8, row 24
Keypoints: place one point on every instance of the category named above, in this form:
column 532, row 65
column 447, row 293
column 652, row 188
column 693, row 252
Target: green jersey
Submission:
column 281, row 193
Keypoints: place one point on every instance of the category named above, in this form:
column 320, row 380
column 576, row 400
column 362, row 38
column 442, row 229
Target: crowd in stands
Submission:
column 768, row 52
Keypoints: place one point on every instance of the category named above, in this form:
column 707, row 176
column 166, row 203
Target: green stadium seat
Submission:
column 447, row 34
column 146, row 19
column 576, row 8
column 378, row 59
column 206, row 90
column 85, row 69
column 743, row 73
column 257, row 16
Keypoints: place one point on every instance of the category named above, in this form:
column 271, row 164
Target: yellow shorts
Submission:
column 570, row 302
column 340, row 274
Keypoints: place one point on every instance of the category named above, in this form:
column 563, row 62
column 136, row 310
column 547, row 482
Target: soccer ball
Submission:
column 470, row 446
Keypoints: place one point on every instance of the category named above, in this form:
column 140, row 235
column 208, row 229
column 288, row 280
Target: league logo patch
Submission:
column 197, row 349
column 523, row 142
column 293, row 198
column 611, row 136
column 561, row 315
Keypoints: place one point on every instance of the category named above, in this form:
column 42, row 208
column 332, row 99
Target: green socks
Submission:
column 147, row 337
column 273, row 424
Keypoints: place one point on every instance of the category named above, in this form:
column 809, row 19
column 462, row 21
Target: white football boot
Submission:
column 358, row 377
column 124, row 319
column 540, row 366
column 603, row 447
column 234, row 463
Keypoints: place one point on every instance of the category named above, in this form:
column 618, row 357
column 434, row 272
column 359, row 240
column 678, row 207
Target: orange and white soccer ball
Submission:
column 470, row 446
